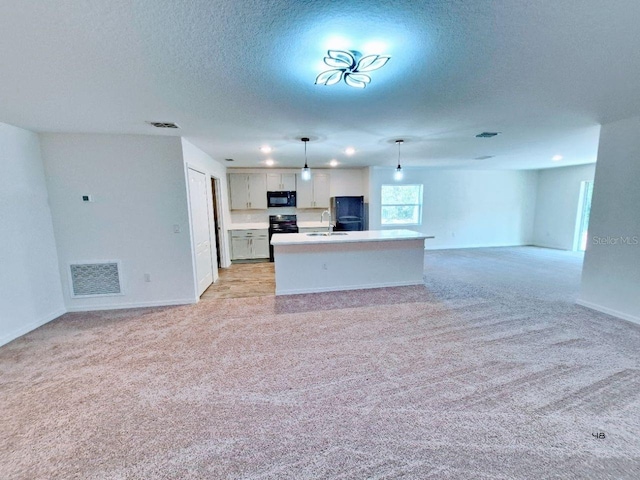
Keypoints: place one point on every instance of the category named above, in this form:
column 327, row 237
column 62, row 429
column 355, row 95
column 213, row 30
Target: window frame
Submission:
column 419, row 205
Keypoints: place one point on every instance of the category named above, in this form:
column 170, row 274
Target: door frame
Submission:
column 218, row 227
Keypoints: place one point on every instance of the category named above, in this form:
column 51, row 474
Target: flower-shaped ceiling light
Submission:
column 350, row 65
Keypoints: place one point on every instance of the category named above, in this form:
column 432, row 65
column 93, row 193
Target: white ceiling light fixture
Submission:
column 265, row 149
column 397, row 176
column 306, row 171
column 350, row 65
column 350, row 150
column 269, row 162
column 333, row 162
column 557, row 158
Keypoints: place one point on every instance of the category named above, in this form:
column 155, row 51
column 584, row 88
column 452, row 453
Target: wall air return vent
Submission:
column 95, row 279
column 163, row 124
column 487, row 134
column 484, row 157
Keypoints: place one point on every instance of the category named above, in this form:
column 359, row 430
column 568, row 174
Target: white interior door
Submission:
column 200, row 227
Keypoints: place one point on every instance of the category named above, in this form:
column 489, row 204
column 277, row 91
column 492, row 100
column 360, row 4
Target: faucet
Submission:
column 322, row 219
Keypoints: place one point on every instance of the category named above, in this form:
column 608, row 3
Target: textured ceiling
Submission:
column 239, row 74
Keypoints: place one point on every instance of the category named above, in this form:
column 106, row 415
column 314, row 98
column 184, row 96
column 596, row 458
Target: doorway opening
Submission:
column 215, row 189
column 582, row 222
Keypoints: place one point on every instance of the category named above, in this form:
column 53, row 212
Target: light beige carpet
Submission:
column 489, row 371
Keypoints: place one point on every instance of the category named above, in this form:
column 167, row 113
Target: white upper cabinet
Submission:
column 281, row 182
column 288, row 182
column 248, row 191
column 313, row 193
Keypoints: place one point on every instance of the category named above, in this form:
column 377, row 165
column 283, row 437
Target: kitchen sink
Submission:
column 324, row 234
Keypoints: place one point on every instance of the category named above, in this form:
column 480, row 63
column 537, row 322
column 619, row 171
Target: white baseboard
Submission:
column 121, row 306
column 609, row 311
column 8, row 337
column 353, row 287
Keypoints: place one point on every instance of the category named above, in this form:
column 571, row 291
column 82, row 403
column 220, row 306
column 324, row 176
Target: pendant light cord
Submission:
column 399, row 142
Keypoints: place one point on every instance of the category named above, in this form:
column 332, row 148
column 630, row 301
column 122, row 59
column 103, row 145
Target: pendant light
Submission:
column 397, row 176
column 306, row 171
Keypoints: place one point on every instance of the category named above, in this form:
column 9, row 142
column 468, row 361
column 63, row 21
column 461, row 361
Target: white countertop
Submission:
column 249, row 226
column 350, row 237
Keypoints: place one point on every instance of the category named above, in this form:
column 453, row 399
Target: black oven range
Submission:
column 281, row 224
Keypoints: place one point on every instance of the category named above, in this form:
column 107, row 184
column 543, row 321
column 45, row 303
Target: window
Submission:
column 401, row 205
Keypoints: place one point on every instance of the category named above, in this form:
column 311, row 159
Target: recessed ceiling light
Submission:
column 269, row 161
column 333, row 163
column 557, row 158
column 350, row 151
column 265, row 149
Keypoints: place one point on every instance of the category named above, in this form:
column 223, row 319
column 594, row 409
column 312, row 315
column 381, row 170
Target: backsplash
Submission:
column 262, row 216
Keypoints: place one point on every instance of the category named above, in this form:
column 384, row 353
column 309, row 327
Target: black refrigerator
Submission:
column 348, row 213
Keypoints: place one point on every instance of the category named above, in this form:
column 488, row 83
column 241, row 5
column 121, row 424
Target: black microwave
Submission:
column 281, row 199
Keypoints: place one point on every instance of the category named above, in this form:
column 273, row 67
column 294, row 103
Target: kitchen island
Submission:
column 307, row 263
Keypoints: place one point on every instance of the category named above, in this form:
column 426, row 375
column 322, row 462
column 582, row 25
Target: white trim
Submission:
column 222, row 248
column 350, row 287
column 121, row 306
column 191, row 237
column 609, row 311
column 24, row 329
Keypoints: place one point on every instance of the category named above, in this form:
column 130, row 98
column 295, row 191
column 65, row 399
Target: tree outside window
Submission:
column 401, row 205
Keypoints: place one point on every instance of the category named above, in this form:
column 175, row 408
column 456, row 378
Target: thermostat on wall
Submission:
column 87, row 198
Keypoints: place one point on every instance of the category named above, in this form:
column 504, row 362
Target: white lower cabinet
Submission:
column 249, row 244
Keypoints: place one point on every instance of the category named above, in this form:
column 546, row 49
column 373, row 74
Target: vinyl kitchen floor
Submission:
column 243, row 280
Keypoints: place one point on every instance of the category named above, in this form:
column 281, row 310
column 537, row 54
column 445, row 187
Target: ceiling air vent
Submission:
column 484, row 157
column 487, row 134
column 228, row 159
column 163, row 124
column 94, row 279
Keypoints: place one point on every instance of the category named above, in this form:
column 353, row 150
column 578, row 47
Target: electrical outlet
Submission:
column 87, row 198
column 176, row 228
column 324, row 266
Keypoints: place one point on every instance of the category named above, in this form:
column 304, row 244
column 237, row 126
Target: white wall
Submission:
column 611, row 271
column 138, row 183
column 465, row 208
column 199, row 160
column 31, row 293
column 557, row 204
column 348, row 182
